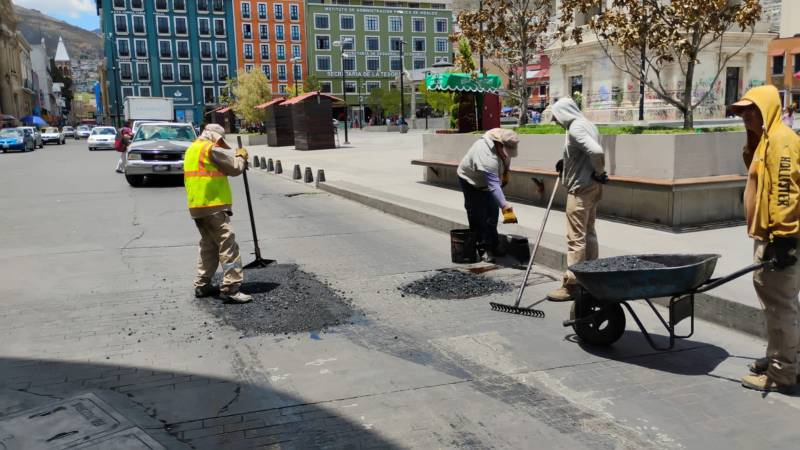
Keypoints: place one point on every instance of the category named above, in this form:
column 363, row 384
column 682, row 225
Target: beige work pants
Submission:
column 581, row 235
column 218, row 246
column 778, row 290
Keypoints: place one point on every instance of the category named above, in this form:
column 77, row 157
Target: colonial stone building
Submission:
column 15, row 89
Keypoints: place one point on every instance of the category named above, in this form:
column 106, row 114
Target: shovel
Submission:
column 515, row 308
column 259, row 262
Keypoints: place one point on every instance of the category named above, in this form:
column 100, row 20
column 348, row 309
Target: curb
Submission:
column 715, row 309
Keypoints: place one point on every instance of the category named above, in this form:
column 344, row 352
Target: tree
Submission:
column 646, row 39
column 510, row 33
column 390, row 102
column 438, row 100
column 311, row 83
column 251, row 89
column 226, row 95
column 464, row 61
column 60, row 76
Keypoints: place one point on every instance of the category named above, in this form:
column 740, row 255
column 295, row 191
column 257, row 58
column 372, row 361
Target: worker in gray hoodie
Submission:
column 582, row 171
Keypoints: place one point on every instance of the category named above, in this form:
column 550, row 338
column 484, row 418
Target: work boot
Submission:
column 764, row 383
column 206, row 290
column 562, row 294
column 760, row 365
column 237, row 297
column 488, row 257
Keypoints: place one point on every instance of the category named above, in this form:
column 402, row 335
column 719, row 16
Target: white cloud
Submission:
column 72, row 8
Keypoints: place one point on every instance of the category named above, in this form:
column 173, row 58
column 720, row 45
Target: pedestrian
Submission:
column 207, row 165
column 582, row 171
column 123, row 140
column 482, row 174
column 788, row 115
column 772, row 208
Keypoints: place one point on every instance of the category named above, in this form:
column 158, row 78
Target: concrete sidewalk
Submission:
column 375, row 170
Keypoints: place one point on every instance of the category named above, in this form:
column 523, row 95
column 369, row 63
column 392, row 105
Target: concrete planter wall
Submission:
column 252, row 139
column 654, row 160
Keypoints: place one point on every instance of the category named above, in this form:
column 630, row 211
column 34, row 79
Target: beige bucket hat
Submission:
column 215, row 133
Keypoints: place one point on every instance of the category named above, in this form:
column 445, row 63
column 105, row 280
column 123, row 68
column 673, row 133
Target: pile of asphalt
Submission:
column 454, row 285
column 285, row 300
column 616, row 264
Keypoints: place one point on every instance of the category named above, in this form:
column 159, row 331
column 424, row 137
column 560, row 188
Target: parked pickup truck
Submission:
column 157, row 150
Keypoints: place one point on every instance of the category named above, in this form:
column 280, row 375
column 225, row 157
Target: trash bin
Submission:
column 463, row 246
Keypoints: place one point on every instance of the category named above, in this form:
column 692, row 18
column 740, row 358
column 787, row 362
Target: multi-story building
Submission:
column 365, row 38
column 182, row 49
column 270, row 37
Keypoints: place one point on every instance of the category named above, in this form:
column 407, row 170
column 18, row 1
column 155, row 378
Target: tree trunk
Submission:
column 688, row 114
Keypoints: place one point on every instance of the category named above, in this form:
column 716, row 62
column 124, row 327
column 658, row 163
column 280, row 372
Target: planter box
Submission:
column 674, row 181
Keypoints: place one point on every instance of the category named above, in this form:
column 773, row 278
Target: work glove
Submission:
column 601, row 178
column 508, row 215
column 783, row 251
column 241, row 152
column 560, row 166
column 504, row 179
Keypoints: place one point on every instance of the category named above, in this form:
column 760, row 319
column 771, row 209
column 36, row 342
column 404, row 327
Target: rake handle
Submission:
column 249, row 202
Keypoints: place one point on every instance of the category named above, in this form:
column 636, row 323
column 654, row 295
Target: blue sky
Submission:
column 81, row 13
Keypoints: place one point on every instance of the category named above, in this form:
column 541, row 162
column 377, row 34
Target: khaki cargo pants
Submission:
column 778, row 290
column 581, row 236
column 218, row 246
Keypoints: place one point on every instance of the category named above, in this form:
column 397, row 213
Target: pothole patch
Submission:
column 454, row 285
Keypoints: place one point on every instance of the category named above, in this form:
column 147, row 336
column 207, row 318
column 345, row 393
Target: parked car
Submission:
column 52, row 135
column 102, row 138
column 16, row 139
column 68, row 131
column 157, row 149
column 37, row 136
column 82, row 132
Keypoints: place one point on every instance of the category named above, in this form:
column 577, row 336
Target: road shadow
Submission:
column 162, row 181
column 187, row 410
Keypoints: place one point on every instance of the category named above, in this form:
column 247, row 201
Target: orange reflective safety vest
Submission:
column 206, row 186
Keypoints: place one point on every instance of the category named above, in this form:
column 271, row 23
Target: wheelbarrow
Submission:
column 609, row 284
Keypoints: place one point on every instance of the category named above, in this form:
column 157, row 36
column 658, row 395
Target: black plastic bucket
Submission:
column 463, row 246
column 517, row 247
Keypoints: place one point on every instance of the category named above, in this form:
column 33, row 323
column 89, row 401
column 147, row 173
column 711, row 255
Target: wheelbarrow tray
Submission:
column 678, row 274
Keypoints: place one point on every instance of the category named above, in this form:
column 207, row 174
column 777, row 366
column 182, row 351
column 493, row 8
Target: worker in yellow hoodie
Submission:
column 772, row 207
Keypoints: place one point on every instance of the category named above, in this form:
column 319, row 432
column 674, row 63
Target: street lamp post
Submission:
column 115, row 82
column 341, row 45
column 402, row 103
column 295, row 61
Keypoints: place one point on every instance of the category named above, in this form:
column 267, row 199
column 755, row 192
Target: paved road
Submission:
column 96, row 297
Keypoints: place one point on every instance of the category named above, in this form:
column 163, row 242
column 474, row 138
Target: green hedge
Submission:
column 622, row 129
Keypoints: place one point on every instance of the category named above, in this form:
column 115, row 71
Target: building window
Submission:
column 418, row 24
column 264, row 51
column 348, row 43
column 372, row 43
column 221, row 50
column 281, row 72
column 418, row 44
column 179, row 5
column 350, row 86
column 278, row 11
column 247, row 30
column 137, row 5
column 372, row 85
column 218, row 5
column 394, row 63
column 144, row 91
column 161, row 5
column 282, row 89
column 294, row 12
column 279, row 32
column 321, row 22
column 297, row 72
column 222, row 72
column 263, row 32
column 245, row 10
column 419, row 63
column 162, row 25
column 371, row 23
column 184, row 72
column 295, row 31
column 182, row 49
column 219, row 27
column 280, row 52
column 127, row 91
column 208, row 94
column 323, row 42
column 347, row 22
column 295, row 50
column 373, row 64
column 777, row 65
column 208, row 72
column 181, row 29
column 265, row 69
column 248, row 68
column 140, row 48
column 395, row 43
column 166, row 72
column 204, row 26
column 323, row 63
column 349, row 63
column 205, row 49
column 262, row 11
column 248, row 51
column 119, row 4
column 442, row 45
column 120, row 24
column 395, row 24
column 165, row 49
column 441, row 25
column 125, row 71
column 139, row 26
column 202, row 5
column 123, row 48
column 325, row 86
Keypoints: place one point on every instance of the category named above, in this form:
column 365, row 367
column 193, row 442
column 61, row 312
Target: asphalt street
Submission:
column 96, row 301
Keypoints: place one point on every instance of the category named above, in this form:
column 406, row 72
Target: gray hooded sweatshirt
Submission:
column 583, row 154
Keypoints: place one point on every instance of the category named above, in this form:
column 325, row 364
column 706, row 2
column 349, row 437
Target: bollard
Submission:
column 278, row 167
column 263, row 163
column 270, row 165
column 308, row 177
column 255, row 161
column 320, row 176
column 296, row 173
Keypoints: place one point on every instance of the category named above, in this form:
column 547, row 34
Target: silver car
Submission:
column 102, row 138
column 37, row 136
column 157, row 150
column 68, row 131
column 52, row 135
column 83, row 131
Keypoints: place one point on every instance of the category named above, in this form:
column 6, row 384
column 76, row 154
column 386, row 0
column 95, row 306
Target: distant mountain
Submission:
column 80, row 43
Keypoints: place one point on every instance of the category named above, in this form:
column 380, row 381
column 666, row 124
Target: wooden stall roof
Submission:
column 274, row 101
column 308, row 95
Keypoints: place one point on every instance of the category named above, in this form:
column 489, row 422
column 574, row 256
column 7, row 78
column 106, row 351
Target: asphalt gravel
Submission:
column 616, row 264
column 286, row 300
column 454, row 285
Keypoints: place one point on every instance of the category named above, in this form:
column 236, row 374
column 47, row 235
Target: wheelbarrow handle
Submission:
column 716, row 282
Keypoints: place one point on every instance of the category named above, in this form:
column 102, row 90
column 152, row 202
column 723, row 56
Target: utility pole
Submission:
column 480, row 60
column 341, row 46
column 643, row 68
column 402, row 102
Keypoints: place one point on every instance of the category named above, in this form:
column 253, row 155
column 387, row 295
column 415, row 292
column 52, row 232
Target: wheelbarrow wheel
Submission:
column 605, row 328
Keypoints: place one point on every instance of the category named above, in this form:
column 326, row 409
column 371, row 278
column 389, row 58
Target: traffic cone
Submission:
column 278, row 167
column 296, row 173
column 308, row 177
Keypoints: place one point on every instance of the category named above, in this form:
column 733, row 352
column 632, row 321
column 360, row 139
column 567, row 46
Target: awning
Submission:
column 308, row 95
column 797, row 75
column 530, row 74
column 214, row 110
column 795, row 50
column 6, row 117
column 777, row 52
column 270, row 103
column 462, row 82
column 223, row 110
column 537, row 74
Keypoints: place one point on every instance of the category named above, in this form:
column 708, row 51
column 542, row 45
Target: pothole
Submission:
column 454, row 285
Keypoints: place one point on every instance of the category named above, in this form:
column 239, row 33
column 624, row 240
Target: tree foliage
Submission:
column 672, row 34
column 438, row 100
column 251, row 89
column 514, row 32
column 311, row 83
column 464, row 61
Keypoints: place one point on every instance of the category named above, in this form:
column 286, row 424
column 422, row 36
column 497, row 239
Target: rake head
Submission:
column 259, row 263
column 530, row 312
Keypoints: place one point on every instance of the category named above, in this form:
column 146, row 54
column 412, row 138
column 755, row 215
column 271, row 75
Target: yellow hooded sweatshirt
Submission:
column 772, row 194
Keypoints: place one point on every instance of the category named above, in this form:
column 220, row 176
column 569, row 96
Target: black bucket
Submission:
column 517, row 247
column 463, row 246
